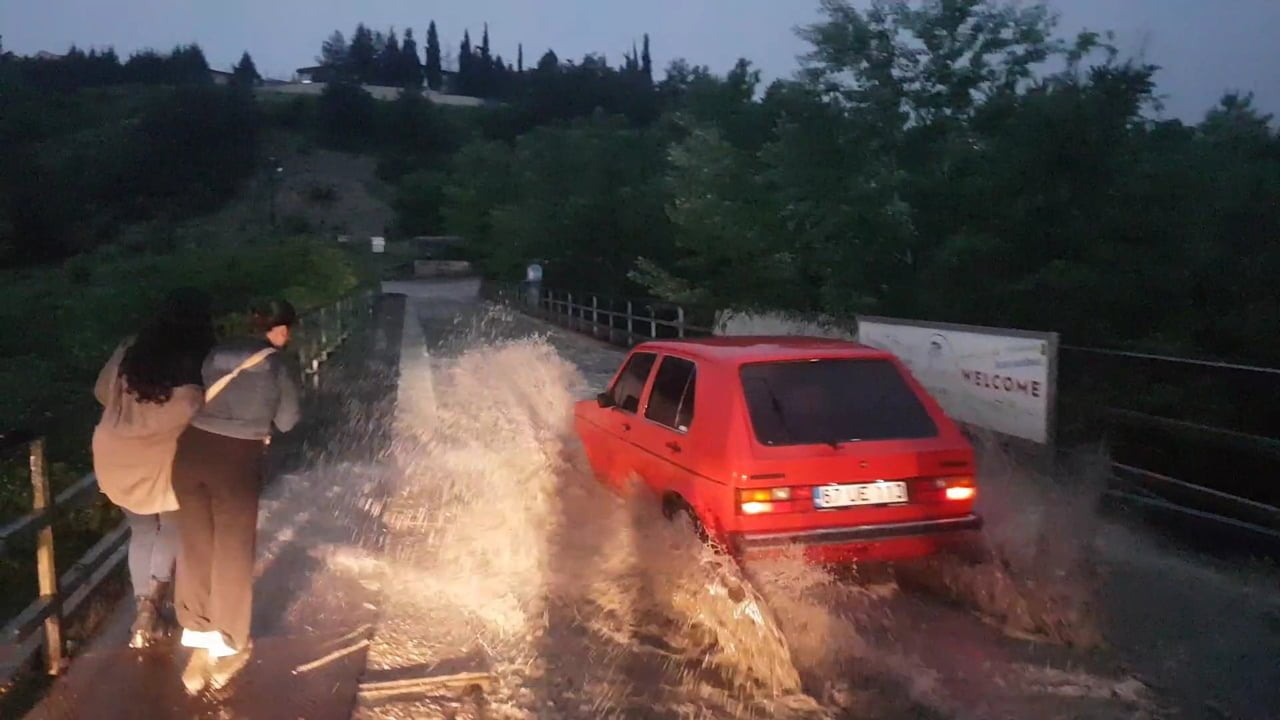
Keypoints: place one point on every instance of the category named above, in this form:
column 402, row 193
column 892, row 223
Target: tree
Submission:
column 347, row 115
column 411, row 64
column 245, row 72
column 466, row 66
column 390, row 61
column 486, row 77
column 333, row 52
column 549, row 62
column 434, row 70
column 362, row 55
column 520, row 58
column 646, row 61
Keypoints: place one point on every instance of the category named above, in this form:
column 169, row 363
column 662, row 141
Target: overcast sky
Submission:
column 1204, row 46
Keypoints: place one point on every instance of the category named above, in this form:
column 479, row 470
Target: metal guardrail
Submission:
column 1204, row 464
column 321, row 331
column 40, row 624
column 617, row 320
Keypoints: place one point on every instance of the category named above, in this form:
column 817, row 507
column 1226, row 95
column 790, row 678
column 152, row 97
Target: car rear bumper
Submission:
column 890, row 541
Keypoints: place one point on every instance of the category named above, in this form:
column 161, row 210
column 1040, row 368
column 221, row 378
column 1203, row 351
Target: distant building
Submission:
column 328, row 73
column 46, row 55
column 316, row 74
column 220, row 77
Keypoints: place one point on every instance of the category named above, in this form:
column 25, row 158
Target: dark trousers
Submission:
column 217, row 480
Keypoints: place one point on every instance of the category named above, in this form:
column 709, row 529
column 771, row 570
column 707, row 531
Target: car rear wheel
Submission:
column 679, row 511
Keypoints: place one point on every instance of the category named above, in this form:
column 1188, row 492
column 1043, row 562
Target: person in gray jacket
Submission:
column 217, row 476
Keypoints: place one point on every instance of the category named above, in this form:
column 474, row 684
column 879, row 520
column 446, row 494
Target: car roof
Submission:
column 742, row 349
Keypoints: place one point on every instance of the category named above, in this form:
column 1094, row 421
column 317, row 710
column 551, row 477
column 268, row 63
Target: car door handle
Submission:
column 626, row 427
column 673, row 446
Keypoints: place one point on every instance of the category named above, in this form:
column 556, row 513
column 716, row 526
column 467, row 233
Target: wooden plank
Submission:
column 422, row 685
column 14, row 657
column 46, row 567
column 28, row 620
column 105, row 569
column 82, row 492
column 89, row 563
column 28, row 524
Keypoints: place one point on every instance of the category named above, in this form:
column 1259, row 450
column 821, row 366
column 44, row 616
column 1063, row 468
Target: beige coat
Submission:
column 134, row 443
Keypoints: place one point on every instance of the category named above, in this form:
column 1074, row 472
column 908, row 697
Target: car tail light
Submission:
column 763, row 501
column 958, row 488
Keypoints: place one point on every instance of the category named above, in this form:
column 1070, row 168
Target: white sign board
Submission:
column 533, row 273
column 378, row 244
column 1002, row 380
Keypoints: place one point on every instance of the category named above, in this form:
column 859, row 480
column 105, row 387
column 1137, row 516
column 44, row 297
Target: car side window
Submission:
column 671, row 400
column 630, row 384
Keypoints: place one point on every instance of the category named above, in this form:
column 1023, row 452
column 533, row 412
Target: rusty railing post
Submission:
column 595, row 317
column 46, row 567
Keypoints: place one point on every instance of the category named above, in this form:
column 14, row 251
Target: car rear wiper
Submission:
column 777, row 409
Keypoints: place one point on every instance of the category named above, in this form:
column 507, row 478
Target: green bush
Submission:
column 61, row 323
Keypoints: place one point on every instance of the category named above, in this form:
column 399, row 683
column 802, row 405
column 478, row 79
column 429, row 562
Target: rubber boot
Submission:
column 144, row 623
column 162, row 598
column 151, row 622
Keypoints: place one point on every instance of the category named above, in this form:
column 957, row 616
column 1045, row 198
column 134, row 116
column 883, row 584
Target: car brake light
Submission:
column 959, row 488
column 765, row 500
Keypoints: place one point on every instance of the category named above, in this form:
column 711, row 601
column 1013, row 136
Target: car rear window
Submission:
column 832, row 401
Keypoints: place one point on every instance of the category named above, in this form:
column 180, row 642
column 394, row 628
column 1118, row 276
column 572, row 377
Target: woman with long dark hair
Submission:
column 150, row 389
column 249, row 388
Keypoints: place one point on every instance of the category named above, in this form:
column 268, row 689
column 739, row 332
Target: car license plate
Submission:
column 881, row 493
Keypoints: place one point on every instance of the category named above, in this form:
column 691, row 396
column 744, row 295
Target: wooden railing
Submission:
column 40, row 624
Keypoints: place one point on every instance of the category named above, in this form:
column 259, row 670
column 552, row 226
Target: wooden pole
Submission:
column 46, row 568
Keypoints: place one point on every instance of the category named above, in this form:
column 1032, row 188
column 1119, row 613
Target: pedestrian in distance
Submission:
column 250, row 389
column 150, row 389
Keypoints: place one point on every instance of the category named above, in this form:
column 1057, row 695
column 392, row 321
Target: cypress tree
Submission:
column 434, row 70
column 466, row 69
column 410, row 63
column 646, row 61
column 362, row 56
column 245, row 72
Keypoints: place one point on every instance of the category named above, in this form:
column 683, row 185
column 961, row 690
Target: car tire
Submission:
column 677, row 510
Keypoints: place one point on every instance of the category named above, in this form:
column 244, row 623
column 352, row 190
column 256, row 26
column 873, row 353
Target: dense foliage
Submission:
column 90, row 145
column 372, row 57
column 946, row 160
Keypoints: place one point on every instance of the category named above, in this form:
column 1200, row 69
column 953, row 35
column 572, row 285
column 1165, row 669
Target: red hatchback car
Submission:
column 772, row 441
